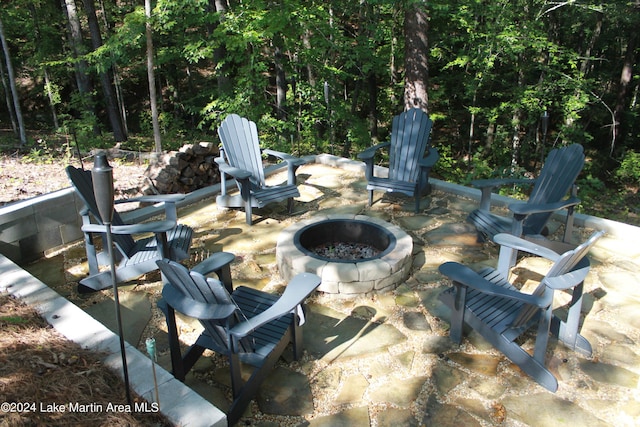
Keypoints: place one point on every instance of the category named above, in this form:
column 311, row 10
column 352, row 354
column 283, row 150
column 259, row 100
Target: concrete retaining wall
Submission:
column 30, row 228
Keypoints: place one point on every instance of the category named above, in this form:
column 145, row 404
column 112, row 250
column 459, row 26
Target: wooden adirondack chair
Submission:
column 134, row 257
column 557, row 178
column 498, row 311
column 410, row 157
column 244, row 325
column 241, row 158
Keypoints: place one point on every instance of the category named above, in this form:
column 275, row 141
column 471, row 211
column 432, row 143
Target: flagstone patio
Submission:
column 386, row 359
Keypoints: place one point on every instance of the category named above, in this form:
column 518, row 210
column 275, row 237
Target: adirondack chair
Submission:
column 134, row 257
column 241, row 158
column 557, row 178
column 497, row 310
column 410, row 157
column 244, row 325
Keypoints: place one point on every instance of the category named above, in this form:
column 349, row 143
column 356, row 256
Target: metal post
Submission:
column 102, row 177
column 151, row 350
column 544, row 123
column 326, row 101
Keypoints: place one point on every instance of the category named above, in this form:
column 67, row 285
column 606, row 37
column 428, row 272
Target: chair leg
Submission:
column 224, row 275
column 457, row 313
column 370, row 198
column 248, row 213
column 174, row 344
column 296, row 333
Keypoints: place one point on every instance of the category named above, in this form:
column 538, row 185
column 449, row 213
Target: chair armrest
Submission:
column 153, row 198
column 196, row 309
column 486, row 186
column 500, row 182
column 214, row 262
column 237, row 173
column 530, row 208
column 291, row 160
column 520, row 244
column 430, row 160
column 371, row 151
column 169, row 201
column 144, row 227
column 570, row 279
column 465, row 276
column 297, row 290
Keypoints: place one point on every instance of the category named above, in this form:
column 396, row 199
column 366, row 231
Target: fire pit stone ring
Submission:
column 377, row 274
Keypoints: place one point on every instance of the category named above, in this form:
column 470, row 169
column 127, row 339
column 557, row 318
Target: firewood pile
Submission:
column 183, row 171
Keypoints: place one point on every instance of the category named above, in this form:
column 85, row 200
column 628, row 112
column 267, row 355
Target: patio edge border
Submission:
column 179, row 403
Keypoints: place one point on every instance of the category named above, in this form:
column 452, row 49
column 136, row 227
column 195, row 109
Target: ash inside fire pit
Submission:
column 345, row 251
column 340, row 240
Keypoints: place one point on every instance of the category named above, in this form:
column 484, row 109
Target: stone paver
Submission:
column 387, row 359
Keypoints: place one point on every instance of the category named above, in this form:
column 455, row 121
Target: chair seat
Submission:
column 146, row 249
column 241, row 159
column 494, row 312
column 492, row 306
column 549, row 194
column 247, row 326
column 392, row 185
column 410, row 157
column 135, row 257
column 266, row 195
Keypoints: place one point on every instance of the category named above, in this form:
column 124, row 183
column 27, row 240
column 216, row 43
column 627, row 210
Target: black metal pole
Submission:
column 545, row 127
column 102, row 176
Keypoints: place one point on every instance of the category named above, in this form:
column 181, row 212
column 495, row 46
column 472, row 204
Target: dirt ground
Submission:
column 20, row 180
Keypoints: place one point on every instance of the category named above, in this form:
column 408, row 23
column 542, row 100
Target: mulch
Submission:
column 47, row 380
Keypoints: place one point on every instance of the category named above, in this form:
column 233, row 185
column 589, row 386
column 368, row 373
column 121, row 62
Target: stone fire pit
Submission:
column 379, row 273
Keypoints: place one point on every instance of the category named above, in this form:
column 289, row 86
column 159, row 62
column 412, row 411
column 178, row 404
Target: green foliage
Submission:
column 629, row 171
column 494, row 67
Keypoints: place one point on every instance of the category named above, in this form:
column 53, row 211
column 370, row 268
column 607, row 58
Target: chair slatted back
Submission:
column 568, row 263
column 241, row 146
column 83, row 183
column 211, row 291
column 409, row 141
column 559, row 173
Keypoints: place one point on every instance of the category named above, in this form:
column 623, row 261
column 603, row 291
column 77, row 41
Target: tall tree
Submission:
column 106, row 74
column 12, row 85
column 416, row 55
column 153, row 97
column 78, row 50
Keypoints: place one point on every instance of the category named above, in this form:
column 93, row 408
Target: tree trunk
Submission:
column 8, row 101
column 152, row 80
column 624, row 90
column 105, row 76
column 77, row 48
column 416, row 54
column 45, row 72
column 225, row 86
column 122, row 108
column 12, row 85
column 281, row 81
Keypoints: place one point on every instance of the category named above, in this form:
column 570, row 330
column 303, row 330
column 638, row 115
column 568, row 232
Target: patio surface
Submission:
column 386, row 359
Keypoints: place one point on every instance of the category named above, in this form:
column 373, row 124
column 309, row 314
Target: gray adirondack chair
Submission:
column 549, row 195
column 410, row 157
column 241, row 158
column 134, row 257
column 244, row 325
column 497, row 310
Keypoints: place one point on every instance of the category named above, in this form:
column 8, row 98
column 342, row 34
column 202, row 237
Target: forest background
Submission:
column 504, row 81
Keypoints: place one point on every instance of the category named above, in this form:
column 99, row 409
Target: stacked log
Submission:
column 183, row 171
